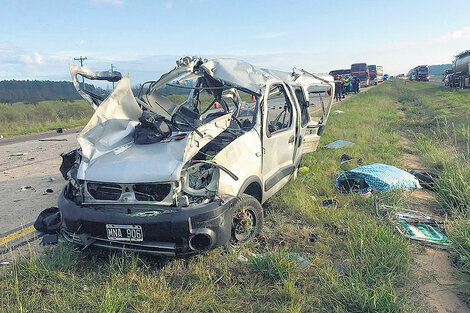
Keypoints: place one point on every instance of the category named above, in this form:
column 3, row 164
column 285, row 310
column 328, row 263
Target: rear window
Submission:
column 358, row 67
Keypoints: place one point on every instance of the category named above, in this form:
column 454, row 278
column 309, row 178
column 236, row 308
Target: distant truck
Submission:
column 461, row 67
column 372, row 74
column 361, row 71
column 343, row 73
column 419, row 73
column 380, row 74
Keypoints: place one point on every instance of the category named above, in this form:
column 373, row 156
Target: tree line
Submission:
column 33, row 91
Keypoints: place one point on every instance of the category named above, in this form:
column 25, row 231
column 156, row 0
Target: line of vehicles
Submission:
column 459, row 75
column 367, row 74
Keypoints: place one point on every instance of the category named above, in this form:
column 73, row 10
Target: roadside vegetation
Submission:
column 308, row 259
column 23, row 118
column 438, row 120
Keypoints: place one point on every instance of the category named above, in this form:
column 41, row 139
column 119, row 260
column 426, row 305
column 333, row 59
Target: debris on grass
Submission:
column 50, row 179
column 379, row 177
column 338, row 111
column 342, row 268
column 312, row 237
column 242, row 258
column 329, row 204
column 417, row 226
column 345, row 158
column 426, row 178
column 278, row 265
column 304, row 169
column 339, row 144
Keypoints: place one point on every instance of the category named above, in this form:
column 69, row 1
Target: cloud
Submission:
column 169, row 5
column 119, row 3
column 463, row 33
column 81, row 42
column 269, row 35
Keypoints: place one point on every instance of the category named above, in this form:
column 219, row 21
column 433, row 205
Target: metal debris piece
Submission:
column 19, row 154
column 339, row 144
column 50, row 239
column 54, row 139
column 329, row 204
column 313, row 237
column 416, row 225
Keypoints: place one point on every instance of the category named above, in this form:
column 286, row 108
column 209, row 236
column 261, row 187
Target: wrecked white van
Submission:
column 185, row 165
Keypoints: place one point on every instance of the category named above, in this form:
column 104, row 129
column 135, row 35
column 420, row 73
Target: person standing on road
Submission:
column 355, row 84
column 347, row 82
column 338, row 89
column 341, row 79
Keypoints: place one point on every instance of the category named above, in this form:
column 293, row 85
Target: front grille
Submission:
column 151, row 192
column 104, row 191
column 128, row 193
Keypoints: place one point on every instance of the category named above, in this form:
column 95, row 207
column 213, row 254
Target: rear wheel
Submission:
column 247, row 220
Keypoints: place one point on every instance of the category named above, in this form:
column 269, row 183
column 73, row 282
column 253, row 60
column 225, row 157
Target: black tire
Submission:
column 247, row 220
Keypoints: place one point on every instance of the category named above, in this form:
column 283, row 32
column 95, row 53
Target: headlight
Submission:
column 200, row 179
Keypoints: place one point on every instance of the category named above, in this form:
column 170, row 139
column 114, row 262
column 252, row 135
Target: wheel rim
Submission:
column 243, row 224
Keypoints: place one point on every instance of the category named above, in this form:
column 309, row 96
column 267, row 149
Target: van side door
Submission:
column 279, row 126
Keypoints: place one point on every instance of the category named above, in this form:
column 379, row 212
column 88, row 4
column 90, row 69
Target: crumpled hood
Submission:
column 133, row 163
column 110, row 154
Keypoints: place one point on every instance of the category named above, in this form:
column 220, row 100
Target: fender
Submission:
column 249, row 181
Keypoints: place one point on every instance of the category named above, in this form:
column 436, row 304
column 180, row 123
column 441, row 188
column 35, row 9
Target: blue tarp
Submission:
column 381, row 177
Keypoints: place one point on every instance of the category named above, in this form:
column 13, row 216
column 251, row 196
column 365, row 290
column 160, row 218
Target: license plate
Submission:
column 124, row 232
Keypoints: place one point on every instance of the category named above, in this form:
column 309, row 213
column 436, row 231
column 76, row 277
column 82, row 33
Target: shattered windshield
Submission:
column 191, row 100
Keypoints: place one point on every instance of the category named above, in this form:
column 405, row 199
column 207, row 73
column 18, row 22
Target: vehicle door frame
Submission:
column 279, row 177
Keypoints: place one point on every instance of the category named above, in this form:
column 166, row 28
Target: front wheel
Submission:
column 247, row 220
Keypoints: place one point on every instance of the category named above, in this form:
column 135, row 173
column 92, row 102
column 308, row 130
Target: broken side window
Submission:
column 279, row 115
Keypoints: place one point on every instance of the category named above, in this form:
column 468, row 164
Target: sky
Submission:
column 38, row 39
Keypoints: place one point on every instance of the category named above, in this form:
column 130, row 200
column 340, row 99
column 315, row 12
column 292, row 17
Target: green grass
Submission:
column 438, row 120
column 22, row 118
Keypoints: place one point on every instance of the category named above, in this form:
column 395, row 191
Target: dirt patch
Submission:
column 433, row 266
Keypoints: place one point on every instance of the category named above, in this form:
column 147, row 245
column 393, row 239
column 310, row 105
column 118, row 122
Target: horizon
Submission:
column 38, row 40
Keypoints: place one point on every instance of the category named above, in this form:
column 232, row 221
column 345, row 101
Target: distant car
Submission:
column 385, row 76
column 447, row 72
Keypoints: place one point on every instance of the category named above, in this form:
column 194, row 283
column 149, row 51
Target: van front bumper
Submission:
column 166, row 231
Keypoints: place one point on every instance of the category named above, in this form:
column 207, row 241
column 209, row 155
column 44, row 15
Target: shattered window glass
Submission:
column 279, row 110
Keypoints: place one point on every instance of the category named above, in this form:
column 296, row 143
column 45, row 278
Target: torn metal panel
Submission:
column 93, row 100
column 243, row 158
column 112, row 124
column 237, row 73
